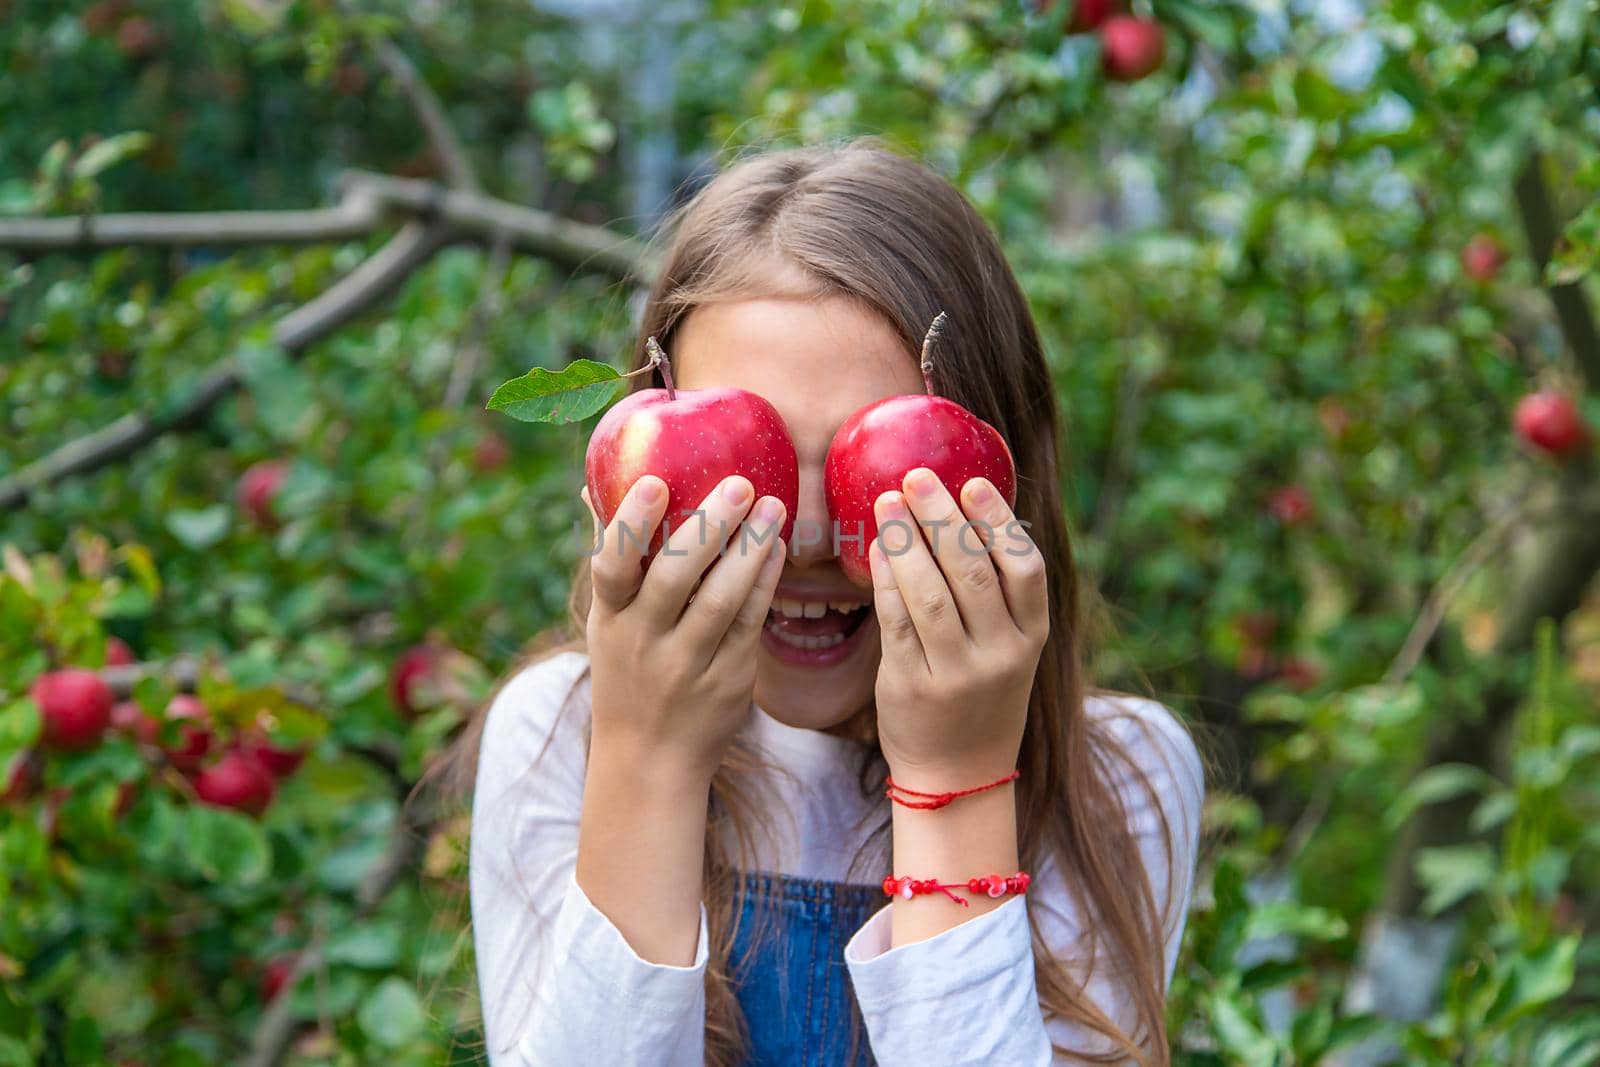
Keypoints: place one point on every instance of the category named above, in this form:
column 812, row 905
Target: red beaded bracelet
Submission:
column 939, row 800
column 991, row 885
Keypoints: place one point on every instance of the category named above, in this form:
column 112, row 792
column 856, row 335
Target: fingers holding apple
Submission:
column 621, row 544
column 730, row 606
column 963, row 630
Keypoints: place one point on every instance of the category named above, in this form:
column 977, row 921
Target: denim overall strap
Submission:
column 795, row 989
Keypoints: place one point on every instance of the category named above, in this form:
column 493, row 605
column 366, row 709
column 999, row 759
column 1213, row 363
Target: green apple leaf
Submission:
column 570, row 394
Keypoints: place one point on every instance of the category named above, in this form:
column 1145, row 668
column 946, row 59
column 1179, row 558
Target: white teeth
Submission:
column 808, row 642
column 813, row 609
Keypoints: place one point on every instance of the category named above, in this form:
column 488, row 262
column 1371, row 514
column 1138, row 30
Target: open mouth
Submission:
column 814, row 632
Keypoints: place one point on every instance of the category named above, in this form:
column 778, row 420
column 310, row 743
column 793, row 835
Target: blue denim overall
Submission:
column 795, row 990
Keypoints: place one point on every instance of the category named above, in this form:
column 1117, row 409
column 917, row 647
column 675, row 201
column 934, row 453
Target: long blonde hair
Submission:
column 860, row 220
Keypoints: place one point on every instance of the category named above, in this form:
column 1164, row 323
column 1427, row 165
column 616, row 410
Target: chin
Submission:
column 822, row 688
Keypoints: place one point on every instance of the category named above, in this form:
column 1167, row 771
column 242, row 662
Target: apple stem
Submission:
column 659, row 361
column 927, row 352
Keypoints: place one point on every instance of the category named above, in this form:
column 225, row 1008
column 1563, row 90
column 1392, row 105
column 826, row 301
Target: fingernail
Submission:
column 768, row 510
column 649, row 490
column 891, row 505
column 921, row 482
column 736, row 490
column 982, row 492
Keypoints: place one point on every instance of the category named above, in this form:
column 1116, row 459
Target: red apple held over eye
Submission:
column 194, row 737
column 1482, row 257
column 691, row 439
column 75, row 706
column 879, row 445
column 1550, row 421
column 237, row 781
column 1131, row 48
column 258, row 488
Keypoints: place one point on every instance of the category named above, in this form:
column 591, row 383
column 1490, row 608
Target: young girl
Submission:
column 682, row 824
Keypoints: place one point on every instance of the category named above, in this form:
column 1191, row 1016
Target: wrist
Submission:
column 646, row 767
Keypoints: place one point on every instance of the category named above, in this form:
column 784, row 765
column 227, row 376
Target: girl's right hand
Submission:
column 672, row 647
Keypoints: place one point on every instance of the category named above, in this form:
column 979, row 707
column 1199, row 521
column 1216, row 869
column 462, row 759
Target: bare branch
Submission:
column 430, row 113
column 475, row 217
column 357, row 215
column 370, row 282
column 480, row 218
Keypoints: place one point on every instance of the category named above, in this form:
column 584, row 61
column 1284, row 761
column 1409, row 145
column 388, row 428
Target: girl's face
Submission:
column 817, row 362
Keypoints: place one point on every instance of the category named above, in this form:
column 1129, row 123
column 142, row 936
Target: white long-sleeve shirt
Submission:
column 561, row 986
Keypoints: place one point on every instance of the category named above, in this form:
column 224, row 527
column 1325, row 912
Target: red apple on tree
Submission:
column 128, row 717
column 1131, row 48
column 490, row 452
column 879, row 445
column 194, row 735
column 1291, row 505
column 74, row 706
column 23, row 781
column 1090, row 14
column 258, row 487
column 118, row 654
column 1482, row 257
column 691, row 439
column 275, row 974
column 237, row 780
column 411, row 668
column 280, row 760
column 1550, row 421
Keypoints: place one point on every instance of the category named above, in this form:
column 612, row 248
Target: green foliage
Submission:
column 1246, row 274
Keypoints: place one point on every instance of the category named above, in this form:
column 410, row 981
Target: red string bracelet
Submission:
column 939, row 800
column 991, row 885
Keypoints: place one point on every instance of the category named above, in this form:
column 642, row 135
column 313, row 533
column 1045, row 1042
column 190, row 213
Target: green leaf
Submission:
column 1444, row 782
column 224, row 846
column 1535, row 980
column 374, row 945
column 199, row 530
column 391, row 1015
column 571, row 394
column 1296, row 920
column 103, row 155
column 1452, row 874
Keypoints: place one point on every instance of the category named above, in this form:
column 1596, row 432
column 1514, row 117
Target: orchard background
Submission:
column 1298, row 265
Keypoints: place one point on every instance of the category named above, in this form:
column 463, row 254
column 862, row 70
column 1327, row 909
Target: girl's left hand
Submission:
column 963, row 627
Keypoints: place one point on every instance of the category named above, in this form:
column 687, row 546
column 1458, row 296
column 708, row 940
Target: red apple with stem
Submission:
column 75, row 706
column 238, row 781
column 879, row 445
column 1550, row 421
column 1131, row 48
column 691, row 439
column 258, row 488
